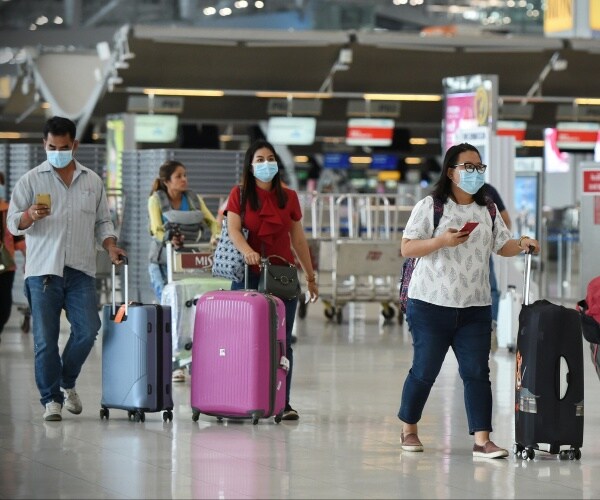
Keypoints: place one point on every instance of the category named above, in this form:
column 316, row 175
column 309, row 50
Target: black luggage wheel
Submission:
column 104, row 413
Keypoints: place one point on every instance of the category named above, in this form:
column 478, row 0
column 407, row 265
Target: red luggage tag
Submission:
column 120, row 314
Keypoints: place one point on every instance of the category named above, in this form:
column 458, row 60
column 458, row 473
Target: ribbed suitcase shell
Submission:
column 239, row 340
column 548, row 398
column 136, row 359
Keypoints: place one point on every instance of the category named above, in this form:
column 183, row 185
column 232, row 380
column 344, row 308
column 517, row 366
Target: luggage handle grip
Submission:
column 527, row 274
column 125, row 263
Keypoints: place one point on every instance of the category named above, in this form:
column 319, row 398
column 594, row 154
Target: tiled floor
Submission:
column 348, row 380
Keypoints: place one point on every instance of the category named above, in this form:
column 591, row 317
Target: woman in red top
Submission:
column 273, row 217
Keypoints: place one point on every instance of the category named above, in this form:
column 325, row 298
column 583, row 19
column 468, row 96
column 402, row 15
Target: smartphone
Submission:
column 469, row 227
column 43, row 199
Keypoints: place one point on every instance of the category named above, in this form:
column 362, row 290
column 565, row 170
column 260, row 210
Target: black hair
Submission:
column 443, row 187
column 249, row 182
column 57, row 125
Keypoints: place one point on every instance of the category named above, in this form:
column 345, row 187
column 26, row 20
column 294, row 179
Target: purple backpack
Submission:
column 409, row 264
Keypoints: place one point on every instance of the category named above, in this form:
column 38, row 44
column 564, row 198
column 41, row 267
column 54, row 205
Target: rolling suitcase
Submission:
column 239, row 366
column 136, row 357
column 548, row 379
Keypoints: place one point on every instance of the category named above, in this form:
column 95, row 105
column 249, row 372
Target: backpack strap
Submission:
column 438, row 211
column 491, row 206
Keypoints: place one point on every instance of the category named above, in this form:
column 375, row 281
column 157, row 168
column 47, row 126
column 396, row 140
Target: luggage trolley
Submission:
column 364, row 265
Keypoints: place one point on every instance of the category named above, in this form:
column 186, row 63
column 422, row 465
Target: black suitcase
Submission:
column 548, row 379
column 136, row 358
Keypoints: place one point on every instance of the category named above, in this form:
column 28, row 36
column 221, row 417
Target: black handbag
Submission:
column 279, row 280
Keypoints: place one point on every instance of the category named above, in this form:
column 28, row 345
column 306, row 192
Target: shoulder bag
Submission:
column 279, row 280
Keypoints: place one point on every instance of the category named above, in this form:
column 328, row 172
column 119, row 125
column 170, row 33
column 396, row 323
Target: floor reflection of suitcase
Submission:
column 549, row 379
column 136, row 359
column 239, row 366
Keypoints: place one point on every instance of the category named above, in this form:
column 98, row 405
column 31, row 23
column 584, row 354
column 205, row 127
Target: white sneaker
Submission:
column 53, row 411
column 72, row 401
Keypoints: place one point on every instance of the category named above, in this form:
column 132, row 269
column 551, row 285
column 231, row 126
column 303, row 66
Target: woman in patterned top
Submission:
column 449, row 300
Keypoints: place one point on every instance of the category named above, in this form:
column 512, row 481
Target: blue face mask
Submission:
column 265, row 171
column 2, row 192
column 470, row 182
column 59, row 159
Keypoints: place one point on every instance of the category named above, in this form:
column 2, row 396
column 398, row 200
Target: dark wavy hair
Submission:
column 443, row 187
column 249, row 182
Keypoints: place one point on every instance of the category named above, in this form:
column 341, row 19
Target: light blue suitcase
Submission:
column 136, row 358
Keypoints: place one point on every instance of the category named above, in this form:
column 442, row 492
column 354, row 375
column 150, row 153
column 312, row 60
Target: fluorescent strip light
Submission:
column 403, row 97
column 581, row 101
column 411, row 160
column 360, row 160
column 300, row 159
column 531, row 144
column 10, row 135
column 293, row 95
column 185, row 92
column 418, row 141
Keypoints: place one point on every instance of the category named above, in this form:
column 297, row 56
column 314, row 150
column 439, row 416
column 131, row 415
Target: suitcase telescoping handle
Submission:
column 527, row 275
column 126, row 286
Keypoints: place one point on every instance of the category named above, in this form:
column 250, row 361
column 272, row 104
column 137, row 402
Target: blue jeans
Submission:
column 290, row 316
column 434, row 329
column 48, row 295
column 495, row 291
column 158, row 278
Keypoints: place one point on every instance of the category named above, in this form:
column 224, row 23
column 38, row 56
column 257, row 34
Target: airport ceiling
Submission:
column 544, row 73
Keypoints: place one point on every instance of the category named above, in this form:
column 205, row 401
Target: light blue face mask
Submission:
column 2, row 192
column 265, row 171
column 59, row 159
column 470, row 182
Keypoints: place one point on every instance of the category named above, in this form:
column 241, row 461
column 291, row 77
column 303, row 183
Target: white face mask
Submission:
column 59, row 159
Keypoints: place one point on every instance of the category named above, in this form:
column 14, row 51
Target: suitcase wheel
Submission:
column 528, row 454
column 104, row 413
column 255, row 418
column 278, row 417
column 138, row 415
column 572, row 454
column 517, row 449
column 167, row 415
column 195, row 415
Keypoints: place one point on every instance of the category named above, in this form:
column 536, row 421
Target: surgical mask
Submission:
column 2, row 192
column 470, row 182
column 265, row 171
column 59, row 159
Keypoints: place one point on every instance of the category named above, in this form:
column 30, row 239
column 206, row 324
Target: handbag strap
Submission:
column 279, row 257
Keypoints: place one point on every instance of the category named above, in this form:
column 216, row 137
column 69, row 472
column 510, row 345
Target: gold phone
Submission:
column 43, row 199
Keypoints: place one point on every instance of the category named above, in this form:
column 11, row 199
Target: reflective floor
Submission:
column 347, row 384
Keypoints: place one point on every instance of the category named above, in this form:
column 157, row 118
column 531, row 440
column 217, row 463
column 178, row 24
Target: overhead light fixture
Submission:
column 10, row 135
column 418, row 141
column 583, row 101
column 403, row 97
column 185, row 92
column 293, row 95
column 531, row 144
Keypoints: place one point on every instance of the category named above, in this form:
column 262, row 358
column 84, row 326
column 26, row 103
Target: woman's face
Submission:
column 464, row 157
column 178, row 180
column 262, row 155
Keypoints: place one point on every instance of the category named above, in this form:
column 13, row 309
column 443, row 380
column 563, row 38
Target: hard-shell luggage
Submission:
column 136, row 358
column 549, row 379
column 239, row 366
column 509, row 308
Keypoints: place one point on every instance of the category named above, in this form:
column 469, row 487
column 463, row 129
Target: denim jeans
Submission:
column 434, row 330
column 158, row 278
column 290, row 316
column 48, row 295
column 495, row 291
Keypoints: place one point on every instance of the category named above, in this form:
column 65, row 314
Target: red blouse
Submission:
column 269, row 225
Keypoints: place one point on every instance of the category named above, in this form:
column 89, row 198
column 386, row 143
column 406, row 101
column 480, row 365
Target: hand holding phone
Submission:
column 469, row 227
column 43, row 199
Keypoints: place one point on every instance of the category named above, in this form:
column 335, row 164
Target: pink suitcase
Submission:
column 239, row 366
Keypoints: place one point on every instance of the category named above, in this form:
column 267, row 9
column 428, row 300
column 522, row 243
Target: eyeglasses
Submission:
column 471, row 167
